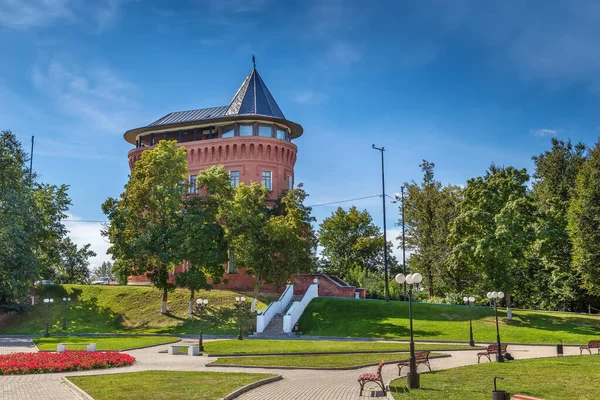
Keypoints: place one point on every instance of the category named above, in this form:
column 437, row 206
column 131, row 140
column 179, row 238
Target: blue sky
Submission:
column 461, row 83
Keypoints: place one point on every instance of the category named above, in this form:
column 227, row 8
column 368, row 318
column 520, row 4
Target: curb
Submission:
column 316, row 368
column 340, row 352
column 76, row 389
column 251, row 386
column 120, row 351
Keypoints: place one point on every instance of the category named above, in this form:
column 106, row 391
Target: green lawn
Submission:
column 375, row 318
column 126, row 309
column 329, row 361
column 164, row 385
column 259, row 346
column 574, row 377
column 103, row 343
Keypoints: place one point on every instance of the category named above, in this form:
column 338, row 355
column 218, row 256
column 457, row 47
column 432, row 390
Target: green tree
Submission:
column 104, row 270
column 74, row 263
column 352, row 247
column 556, row 282
column 203, row 243
column 144, row 222
column 584, row 222
column 31, row 222
column 271, row 243
column 19, row 263
column 428, row 210
column 493, row 230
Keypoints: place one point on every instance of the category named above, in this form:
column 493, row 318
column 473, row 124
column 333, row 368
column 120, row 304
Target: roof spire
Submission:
column 254, row 61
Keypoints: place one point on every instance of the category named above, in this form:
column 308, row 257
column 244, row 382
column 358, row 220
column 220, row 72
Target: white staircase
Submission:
column 280, row 316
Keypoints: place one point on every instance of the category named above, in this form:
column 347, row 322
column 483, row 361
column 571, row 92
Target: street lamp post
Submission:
column 47, row 302
column 494, row 297
column 469, row 301
column 413, row 281
column 66, row 301
column 385, row 260
column 201, row 305
column 240, row 303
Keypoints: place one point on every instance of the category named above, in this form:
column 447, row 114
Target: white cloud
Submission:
column 343, row 53
column 21, row 14
column 543, row 132
column 309, row 97
column 83, row 233
column 28, row 14
column 96, row 97
column 394, row 236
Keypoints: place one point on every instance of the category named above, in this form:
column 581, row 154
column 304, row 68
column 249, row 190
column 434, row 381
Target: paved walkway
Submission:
column 297, row 384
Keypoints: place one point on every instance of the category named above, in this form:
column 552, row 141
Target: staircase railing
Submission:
column 276, row 307
column 295, row 312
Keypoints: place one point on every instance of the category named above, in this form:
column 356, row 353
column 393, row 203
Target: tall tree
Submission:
column 104, row 270
column 555, row 174
column 428, row 210
column 584, row 222
column 351, row 243
column 19, row 263
column 74, row 263
column 272, row 245
column 493, row 230
column 203, row 243
column 144, row 222
column 31, row 222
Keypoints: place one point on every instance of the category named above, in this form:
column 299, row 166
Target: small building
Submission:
column 250, row 137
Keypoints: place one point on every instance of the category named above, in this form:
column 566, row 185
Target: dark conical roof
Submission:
column 253, row 97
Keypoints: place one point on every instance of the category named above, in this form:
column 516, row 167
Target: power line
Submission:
column 344, row 201
column 312, row 206
column 83, row 220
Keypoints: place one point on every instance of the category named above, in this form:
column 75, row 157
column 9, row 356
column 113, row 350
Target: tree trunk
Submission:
column 256, row 292
column 430, row 283
column 191, row 307
column 163, row 308
column 508, row 307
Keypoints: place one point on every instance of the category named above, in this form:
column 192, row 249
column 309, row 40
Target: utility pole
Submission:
column 385, row 261
column 403, row 239
column 31, row 159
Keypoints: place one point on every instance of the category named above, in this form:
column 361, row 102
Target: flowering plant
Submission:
column 44, row 362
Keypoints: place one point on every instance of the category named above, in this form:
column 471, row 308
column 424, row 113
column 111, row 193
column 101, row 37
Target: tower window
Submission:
column 192, row 188
column 290, row 182
column 234, row 178
column 266, row 179
column 231, row 266
column 245, row 130
column 228, row 132
column 283, row 135
column 265, row 130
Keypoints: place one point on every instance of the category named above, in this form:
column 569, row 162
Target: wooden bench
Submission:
column 91, row 347
column 523, row 397
column 592, row 344
column 364, row 378
column 421, row 357
column 192, row 350
column 491, row 349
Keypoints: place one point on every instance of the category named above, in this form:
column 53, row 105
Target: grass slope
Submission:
column 164, row 385
column 312, row 346
column 125, row 309
column 328, row 361
column 560, row 378
column 375, row 318
column 102, row 343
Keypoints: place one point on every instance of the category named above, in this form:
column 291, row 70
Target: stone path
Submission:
column 297, row 384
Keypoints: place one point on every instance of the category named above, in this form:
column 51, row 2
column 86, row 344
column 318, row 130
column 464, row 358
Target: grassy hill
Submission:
column 125, row 309
column 375, row 318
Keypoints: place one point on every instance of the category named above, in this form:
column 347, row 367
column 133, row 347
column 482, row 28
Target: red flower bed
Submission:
column 43, row 362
